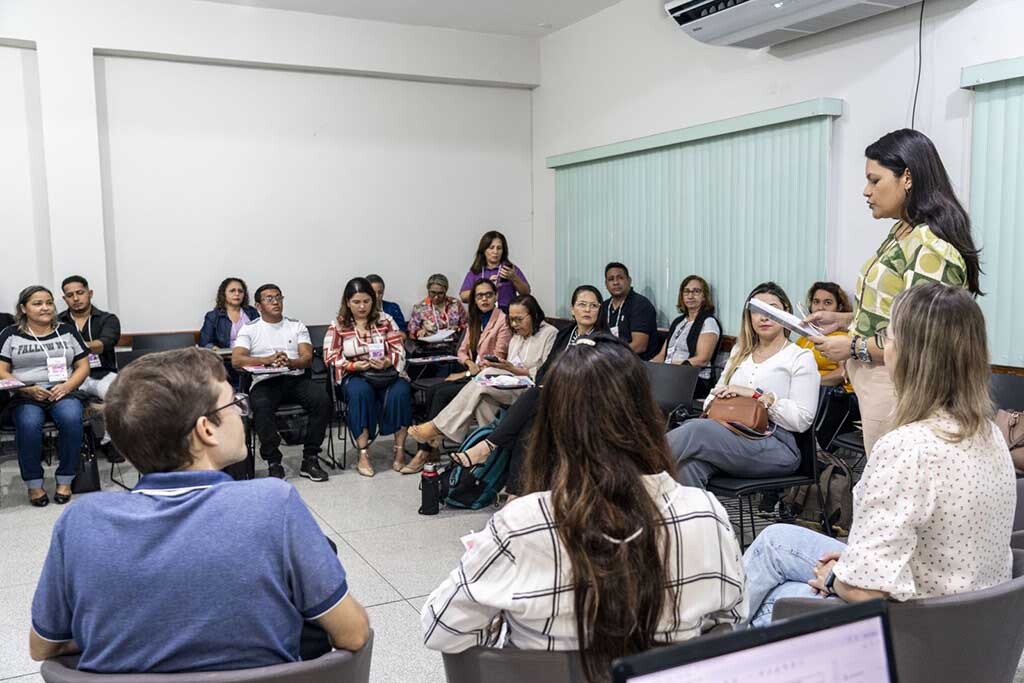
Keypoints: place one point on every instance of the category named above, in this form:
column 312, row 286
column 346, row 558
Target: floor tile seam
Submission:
column 370, row 565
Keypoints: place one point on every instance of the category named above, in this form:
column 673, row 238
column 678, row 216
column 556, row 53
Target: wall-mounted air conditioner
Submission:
column 760, row 23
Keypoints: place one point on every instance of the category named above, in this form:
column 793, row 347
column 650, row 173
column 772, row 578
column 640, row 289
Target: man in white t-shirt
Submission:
column 281, row 350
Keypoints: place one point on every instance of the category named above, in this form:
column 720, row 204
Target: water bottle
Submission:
column 430, row 489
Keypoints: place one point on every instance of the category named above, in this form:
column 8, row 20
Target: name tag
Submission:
column 614, row 330
column 94, row 361
column 57, row 369
column 376, row 350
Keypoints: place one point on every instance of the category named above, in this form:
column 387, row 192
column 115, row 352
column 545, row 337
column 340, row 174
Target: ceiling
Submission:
column 510, row 17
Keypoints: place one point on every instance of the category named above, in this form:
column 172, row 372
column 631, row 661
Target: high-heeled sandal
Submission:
column 461, row 458
column 365, row 470
column 395, row 465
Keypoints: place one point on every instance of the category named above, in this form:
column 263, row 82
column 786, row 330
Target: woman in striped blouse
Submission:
column 366, row 354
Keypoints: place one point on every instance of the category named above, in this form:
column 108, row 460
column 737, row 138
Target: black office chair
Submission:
column 673, row 387
column 50, row 433
column 316, row 337
column 163, row 341
column 744, row 489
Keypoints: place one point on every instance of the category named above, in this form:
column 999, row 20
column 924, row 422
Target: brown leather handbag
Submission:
column 743, row 415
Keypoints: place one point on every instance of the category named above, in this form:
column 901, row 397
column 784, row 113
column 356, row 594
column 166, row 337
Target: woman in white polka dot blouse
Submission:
column 933, row 512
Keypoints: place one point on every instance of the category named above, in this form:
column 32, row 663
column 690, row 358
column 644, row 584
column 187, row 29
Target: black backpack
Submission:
column 476, row 487
column 835, row 479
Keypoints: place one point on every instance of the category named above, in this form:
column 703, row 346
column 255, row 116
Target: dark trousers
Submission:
column 513, row 432
column 269, row 394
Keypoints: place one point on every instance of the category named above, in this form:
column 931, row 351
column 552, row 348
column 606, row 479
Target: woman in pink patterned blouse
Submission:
column 367, row 358
column 438, row 312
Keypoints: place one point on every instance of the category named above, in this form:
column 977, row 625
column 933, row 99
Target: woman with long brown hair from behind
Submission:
column 604, row 553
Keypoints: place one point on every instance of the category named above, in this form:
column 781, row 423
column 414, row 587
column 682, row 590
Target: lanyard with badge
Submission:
column 614, row 329
column 376, row 346
column 94, row 359
column 56, row 366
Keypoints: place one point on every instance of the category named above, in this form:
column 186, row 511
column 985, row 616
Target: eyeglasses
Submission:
column 485, row 295
column 437, row 292
column 587, row 306
column 517, row 320
column 273, row 299
column 241, row 400
column 882, row 337
column 692, row 292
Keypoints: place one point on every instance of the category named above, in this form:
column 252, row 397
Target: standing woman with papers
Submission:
column 930, row 242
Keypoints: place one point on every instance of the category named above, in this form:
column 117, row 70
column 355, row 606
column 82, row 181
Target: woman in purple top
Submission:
column 492, row 263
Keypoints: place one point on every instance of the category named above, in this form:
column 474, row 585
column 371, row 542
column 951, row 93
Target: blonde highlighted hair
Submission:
column 748, row 340
column 942, row 361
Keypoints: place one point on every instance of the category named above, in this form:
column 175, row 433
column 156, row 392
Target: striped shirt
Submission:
column 344, row 345
column 516, row 573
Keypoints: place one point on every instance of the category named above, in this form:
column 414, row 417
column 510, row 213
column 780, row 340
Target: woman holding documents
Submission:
column 438, row 314
column 766, row 366
column 930, row 242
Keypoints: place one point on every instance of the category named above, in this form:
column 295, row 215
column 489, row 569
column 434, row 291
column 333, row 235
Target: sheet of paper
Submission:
column 264, row 370
column 443, row 335
column 787, row 320
column 430, row 359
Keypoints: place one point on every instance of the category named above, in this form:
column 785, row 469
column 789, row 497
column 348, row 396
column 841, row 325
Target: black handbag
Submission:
column 380, row 379
column 87, row 477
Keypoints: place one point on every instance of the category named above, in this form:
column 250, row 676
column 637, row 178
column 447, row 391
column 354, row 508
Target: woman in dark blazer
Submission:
column 232, row 310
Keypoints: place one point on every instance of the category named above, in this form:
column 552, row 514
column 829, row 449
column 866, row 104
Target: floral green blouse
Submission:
column 920, row 256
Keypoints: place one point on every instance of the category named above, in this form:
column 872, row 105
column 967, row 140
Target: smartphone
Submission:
column 492, row 358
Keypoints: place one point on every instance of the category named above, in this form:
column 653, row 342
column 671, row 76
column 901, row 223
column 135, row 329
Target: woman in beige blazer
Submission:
column 529, row 348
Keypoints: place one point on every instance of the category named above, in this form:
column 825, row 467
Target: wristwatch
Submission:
column 469, row 374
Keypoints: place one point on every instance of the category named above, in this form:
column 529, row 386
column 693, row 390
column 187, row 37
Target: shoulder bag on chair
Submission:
column 1012, row 427
column 742, row 415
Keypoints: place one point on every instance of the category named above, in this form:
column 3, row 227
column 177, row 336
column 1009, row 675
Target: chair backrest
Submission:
column 808, row 454
column 316, row 336
column 1007, row 391
column 513, row 666
column 340, row 666
column 163, row 341
column 672, row 385
column 1018, row 515
column 976, row 636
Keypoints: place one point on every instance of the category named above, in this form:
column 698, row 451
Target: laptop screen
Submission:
column 808, row 650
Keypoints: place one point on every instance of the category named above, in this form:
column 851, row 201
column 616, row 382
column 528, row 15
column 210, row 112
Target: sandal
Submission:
column 413, row 467
column 462, row 459
column 365, row 470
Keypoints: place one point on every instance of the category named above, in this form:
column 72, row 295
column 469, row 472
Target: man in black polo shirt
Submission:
column 100, row 330
column 629, row 316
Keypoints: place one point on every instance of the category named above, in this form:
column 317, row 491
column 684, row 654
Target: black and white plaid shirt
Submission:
column 518, row 570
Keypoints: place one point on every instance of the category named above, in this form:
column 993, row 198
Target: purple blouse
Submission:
column 506, row 290
column 237, row 325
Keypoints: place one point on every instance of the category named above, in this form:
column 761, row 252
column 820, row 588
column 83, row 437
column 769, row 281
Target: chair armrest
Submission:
column 787, row 608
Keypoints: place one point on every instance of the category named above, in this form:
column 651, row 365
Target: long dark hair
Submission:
column 222, row 297
column 596, row 434
column 357, row 285
column 480, row 260
column 476, row 315
column 931, row 198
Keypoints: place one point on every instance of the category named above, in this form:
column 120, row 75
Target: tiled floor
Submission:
column 394, row 557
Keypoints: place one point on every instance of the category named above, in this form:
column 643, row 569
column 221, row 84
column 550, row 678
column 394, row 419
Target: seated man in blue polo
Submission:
column 389, row 307
column 203, row 573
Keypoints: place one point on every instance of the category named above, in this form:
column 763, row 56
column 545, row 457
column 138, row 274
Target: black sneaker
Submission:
column 311, row 470
column 111, row 453
column 275, row 469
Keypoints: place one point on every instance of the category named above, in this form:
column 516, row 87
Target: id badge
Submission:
column 94, row 361
column 57, row 369
column 614, row 331
column 376, row 350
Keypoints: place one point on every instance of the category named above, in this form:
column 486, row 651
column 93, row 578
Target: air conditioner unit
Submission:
column 760, row 23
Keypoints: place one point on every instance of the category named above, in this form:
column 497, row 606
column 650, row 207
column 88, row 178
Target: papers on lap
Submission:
column 443, row 335
column 787, row 320
column 265, row 370
column 430, row 359
column 504, row 381
column 11, row 383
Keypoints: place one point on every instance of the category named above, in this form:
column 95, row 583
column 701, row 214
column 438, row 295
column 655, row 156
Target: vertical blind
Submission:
column 737, row 209
column 997, row 212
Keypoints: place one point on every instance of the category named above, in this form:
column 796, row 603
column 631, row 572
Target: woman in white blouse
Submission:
column 607, row 554
column 530, row 346
column 765, row 365
column 933, row 512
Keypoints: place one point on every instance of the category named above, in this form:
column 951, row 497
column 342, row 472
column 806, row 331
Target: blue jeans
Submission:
column 390, row 408
column 779, row 563
column 28, row 424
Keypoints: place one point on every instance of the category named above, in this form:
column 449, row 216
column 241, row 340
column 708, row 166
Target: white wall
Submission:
column 69, row 33
column 24, row 225
column 628, row 71
column 302, row 179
